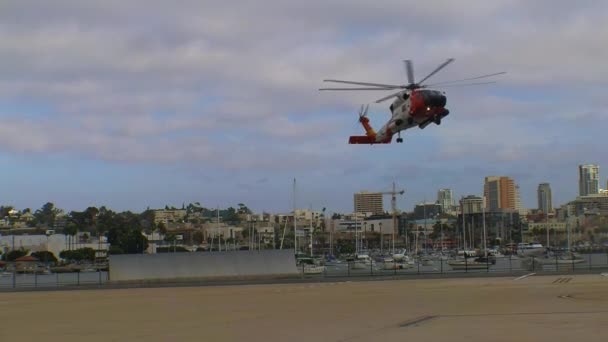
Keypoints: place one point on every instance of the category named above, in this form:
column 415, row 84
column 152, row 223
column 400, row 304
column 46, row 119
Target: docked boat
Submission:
column 561, row 262
column 468, row 264
column 393, row 264
column 310, row 266
column 426, row 261
column 361, row 261
column 530, row 249
column 399, row 255
column 313, row 269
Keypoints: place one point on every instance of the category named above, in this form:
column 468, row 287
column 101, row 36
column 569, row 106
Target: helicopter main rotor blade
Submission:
column 389, row 96
column 389, row 86
column 409, row 69
column 467, row 79
column 356, row 89
column 450, row 60
column 466, row 84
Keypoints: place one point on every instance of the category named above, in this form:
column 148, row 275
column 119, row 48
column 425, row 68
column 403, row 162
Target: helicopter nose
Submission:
column 438, row 100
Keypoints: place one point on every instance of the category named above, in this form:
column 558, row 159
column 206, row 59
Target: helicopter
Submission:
column 415, row 105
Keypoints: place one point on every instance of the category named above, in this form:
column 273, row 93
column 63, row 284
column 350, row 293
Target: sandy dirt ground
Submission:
column 536, row 308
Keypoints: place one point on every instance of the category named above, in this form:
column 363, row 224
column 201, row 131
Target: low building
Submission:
column 553, row 225
column 427, row 210
column 167, row 216
column 223, row 230
column 597, row 203
column 54, row 243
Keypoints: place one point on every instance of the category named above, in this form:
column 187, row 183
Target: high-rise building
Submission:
column 588, row 179
column 501, row 193
column 471, row 204
column 445, row 199
column 545, row 203
column 369, row 202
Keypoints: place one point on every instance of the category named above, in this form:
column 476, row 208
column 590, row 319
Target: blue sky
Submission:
column 146, row 103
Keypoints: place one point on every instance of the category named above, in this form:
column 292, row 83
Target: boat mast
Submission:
column 295, row 227
column 568, row 231
column 472, row 233
column 331, row 242
column 464, row 231
column 547, row 227
column 425, row 239
column 356, row 237
column 219, row 236
column 483, row 211
column 394, row 207
column 310, row 229
column 284, row 231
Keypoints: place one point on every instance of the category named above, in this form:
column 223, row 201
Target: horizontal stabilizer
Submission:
column 363, row 139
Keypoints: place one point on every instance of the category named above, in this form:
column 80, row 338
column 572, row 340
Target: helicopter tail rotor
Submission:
column 363, row 112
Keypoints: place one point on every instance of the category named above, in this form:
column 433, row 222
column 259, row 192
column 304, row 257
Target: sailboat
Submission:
column 477, row 263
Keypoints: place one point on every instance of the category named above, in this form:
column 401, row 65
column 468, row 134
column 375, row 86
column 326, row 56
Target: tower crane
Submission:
column 393, row 194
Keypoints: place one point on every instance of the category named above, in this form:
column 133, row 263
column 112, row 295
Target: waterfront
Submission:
column 504, row 266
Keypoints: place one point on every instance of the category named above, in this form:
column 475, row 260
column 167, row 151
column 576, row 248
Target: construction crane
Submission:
column 393, row 194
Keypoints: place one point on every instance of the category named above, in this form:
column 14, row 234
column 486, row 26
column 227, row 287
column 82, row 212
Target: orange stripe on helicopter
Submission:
column 368, row 128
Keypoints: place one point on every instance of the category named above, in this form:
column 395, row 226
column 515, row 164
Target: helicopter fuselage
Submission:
column 411, row 109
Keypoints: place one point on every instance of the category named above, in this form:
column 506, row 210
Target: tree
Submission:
column 115, row 250
column 70, row 230
column 171, row 249
column 47, row 214
column 198, row 237
column 4, row 210
column 125, row 231
column 105, row 220
column 14, row 254
column 45, row 256
column 81, row 254
column 147, row 220
column 243, row 209
column 91, row 216
column 345, row 247
column 162, row 228
column 232, row 216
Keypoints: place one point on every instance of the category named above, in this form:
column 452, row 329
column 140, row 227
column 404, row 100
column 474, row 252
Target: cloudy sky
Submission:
column 132, row 104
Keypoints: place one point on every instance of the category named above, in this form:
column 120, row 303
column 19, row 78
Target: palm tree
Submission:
column 70, row 230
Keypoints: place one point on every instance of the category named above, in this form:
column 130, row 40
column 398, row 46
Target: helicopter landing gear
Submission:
column 437, row 120
column 399, row 139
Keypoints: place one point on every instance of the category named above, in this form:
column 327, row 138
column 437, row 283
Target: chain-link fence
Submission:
column 30, row 280
column 368, row 268
column 498, row 265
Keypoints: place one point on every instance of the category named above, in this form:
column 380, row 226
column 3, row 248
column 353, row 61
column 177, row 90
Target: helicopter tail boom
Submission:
column 369, row 131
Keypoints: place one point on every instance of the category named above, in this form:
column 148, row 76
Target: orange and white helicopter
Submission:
column 414, row 105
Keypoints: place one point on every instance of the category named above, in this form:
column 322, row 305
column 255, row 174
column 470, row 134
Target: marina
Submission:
column 363, row 266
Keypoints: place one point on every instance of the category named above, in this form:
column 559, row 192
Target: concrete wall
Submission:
column 202, row 265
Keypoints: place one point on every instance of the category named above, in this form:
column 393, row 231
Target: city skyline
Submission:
column 300, row 202
column 206, row 104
